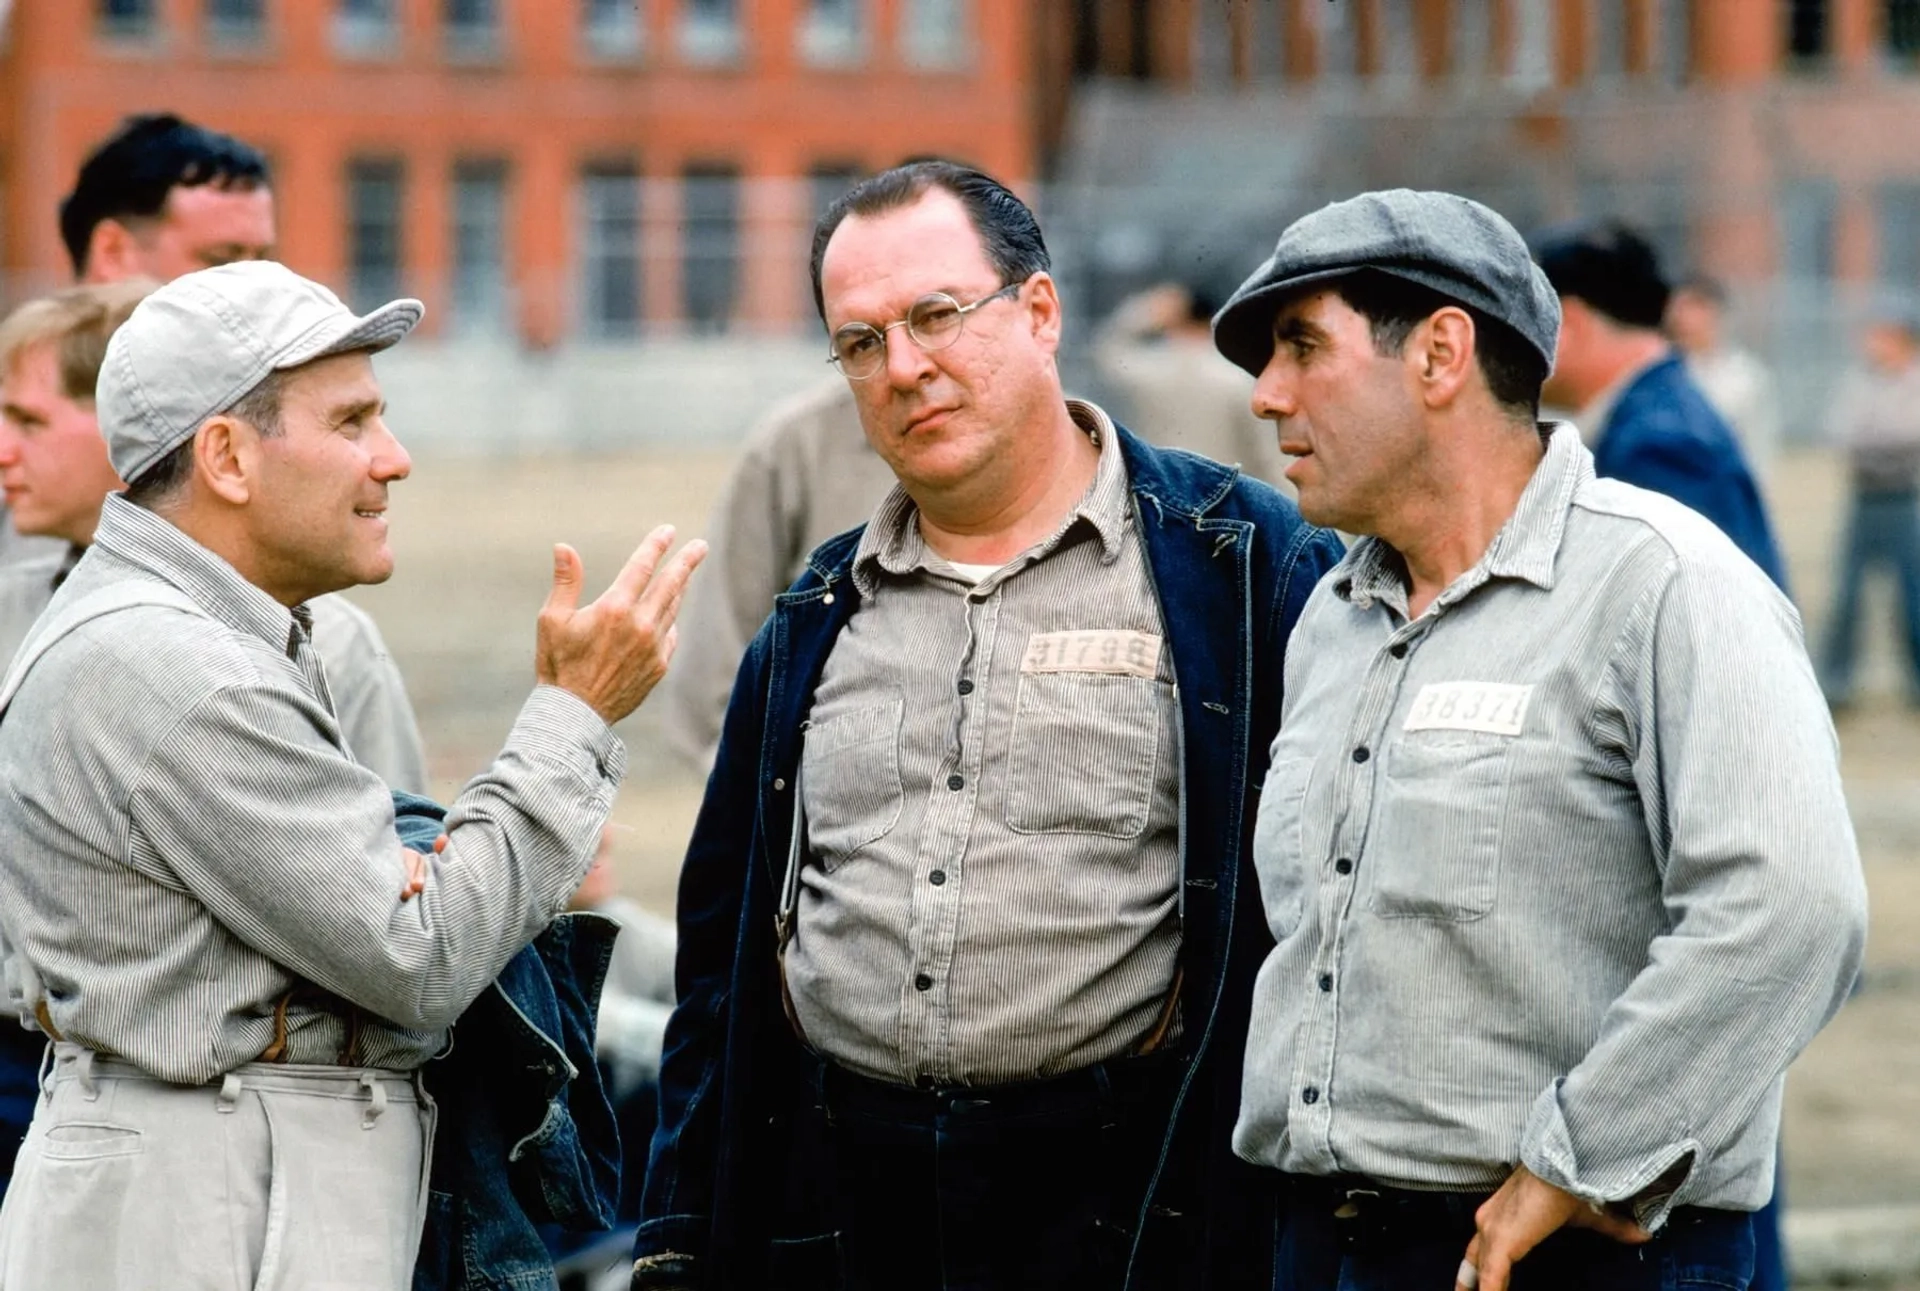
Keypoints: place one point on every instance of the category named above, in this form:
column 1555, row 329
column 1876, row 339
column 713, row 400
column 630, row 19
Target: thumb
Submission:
column 567, row 576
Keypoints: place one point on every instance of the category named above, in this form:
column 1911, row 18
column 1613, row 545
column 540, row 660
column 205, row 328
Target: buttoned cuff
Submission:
column 1648, row 1180
column 556, row 725
column 675, row 1236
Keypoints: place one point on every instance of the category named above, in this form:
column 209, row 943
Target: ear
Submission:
column 1442, row 352
column 226, row 459
column 1043, row 310
column 113, row 253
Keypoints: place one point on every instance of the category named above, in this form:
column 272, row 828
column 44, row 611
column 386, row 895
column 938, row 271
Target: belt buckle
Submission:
column 1352, row 1218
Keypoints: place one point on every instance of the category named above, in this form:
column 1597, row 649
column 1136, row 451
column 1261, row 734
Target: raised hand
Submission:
column 612, row 652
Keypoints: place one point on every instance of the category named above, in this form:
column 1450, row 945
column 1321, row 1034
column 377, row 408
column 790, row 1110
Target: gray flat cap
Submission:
column 196, row 346
column 1451, row 244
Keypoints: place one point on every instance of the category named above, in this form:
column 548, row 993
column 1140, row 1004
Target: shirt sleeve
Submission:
column 291, row 846
column 1736, row 765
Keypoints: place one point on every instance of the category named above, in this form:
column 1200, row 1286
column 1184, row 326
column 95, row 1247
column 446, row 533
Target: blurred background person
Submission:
column 805, row 473
column 1156, row 351
column 1735, row 380
column 161, row 197
column 54, row 466
column 1641, row 414
column 1876, row 421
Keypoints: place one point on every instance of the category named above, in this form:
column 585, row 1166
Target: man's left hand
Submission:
column 1525, row 1212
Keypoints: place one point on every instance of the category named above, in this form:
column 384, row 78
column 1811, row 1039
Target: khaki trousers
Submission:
column 277, row 1178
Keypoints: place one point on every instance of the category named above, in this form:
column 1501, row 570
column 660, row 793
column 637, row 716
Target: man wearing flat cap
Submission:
column 1548, row 930
column 210, row 913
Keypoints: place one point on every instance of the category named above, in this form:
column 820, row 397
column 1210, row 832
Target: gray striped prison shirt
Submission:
column 991, row 779
column 370, row 700
column 1560, row 872
column 183, row 839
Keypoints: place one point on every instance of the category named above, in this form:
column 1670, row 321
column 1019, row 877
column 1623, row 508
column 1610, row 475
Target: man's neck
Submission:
column 1446, row 527
column 1628, row 354
column 995, row 517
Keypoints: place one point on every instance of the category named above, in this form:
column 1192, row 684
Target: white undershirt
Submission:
column 975, row 574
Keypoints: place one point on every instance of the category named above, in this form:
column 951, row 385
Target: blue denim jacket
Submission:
column 1664, row 435
column 1233, row 564
column 526, row 1132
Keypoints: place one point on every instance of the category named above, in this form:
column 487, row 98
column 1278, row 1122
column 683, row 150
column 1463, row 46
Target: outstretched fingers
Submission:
column 637, row 573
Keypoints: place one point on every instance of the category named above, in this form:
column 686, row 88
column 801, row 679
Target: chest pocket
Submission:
column 1085, row 753
column 850, row 775
column 1279, row 847
column 1434, row 845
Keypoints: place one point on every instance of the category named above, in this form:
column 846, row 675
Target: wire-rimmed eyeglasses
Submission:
column 934, row 321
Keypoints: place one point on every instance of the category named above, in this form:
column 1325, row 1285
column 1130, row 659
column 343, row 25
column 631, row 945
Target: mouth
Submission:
column 371, row 513
column 925, row 418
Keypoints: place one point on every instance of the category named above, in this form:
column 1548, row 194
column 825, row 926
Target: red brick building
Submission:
column 545, row 168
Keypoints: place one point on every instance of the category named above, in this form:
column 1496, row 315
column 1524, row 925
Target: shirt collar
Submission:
column 1524, row 549
column 140, row 537
column 893, row 542
column 1593, row 418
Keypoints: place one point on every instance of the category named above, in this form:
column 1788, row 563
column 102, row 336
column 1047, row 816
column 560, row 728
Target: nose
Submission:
column 1274, row 396
column 9, row 446
column 391, row 461
column 907, row 364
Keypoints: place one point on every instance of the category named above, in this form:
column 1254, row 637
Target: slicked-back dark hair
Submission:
column 1394, row 306
column 1609, row 266
column 1008, row 232
column 130, row 174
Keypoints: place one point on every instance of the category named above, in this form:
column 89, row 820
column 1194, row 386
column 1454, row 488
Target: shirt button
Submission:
column 956, row 783
column 1309, row 1095
column 1343, row 866
column 922, row 982
column 1326, row 981
column 1360, row 754
column 778, row 784
column 1398, row 649
column 966, row 686
column 938, row 878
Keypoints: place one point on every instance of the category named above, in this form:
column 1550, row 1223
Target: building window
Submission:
column 1807, row 219
column 236, row 24
column 710, row 234
column 1471, row 47
column 710, row 31
column 610, row 30
column 1903, row 30
column 365, row 28
column 827, row 181
column 936, row 33
column 610, row 249
column 480, row 247
column 833, row 33
column 1898, row 212
column 471, row 30
column 1676, row 41
column 127, row 20
column 1533, row 40
column 1399, row 41
column 1808, row 31
column 1607, row 26
column 1337, row 40
column 375, row 200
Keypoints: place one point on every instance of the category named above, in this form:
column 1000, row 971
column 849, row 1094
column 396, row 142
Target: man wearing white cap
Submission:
column 211, row 913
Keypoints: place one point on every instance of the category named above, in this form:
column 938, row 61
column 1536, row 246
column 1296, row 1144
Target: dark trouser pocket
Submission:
column 804, row 1263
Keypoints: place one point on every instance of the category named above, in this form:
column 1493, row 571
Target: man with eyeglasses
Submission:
column 967, row 923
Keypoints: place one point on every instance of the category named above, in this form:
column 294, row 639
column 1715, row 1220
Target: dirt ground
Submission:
column 473, row 540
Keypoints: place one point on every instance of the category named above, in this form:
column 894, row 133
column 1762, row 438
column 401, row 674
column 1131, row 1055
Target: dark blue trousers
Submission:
column 1356, row 1236
column 20, row 1054
column 1026, row 1188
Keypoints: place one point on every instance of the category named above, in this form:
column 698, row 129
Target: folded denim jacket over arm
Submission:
column 526, row 1133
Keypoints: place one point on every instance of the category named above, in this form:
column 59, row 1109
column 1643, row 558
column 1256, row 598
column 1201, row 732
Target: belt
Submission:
column 1367, row 1214
column 1105, row 1087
